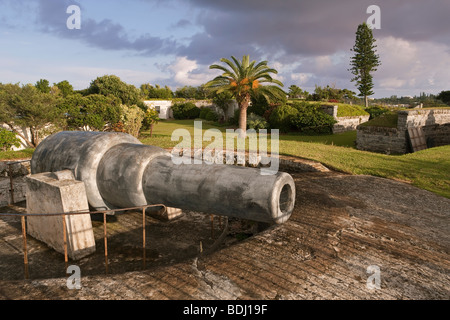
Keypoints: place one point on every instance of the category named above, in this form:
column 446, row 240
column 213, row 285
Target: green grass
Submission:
column 16, row 155
column 428, row 169
column 344, row 110
column 347, row 110
column 386, row 120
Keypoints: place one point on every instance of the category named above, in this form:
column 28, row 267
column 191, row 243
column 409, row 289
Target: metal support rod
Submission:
column 25, row 254
column 11, row 183
column 143, row 238
column 66, row 260
column 106, row 242
column 212, row 226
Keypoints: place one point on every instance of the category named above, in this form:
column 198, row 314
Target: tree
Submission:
column 65, row 87
column 43, row 86
column 30, row 108
column 112, row 85
column 156, row 92
column 297, row 92
column 222, row 100
column 92, row 112
column 364, row 61
column 444, row 96
column 244, row 78
column 151, row 118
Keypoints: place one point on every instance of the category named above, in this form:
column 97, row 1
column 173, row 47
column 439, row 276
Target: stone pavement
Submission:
column 345, row 233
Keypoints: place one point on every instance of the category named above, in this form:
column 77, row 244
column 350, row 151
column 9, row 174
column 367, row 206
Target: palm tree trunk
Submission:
column 243, row 106
column 243, row 120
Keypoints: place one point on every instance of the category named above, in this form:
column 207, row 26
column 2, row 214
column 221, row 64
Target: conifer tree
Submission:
column 364, row 61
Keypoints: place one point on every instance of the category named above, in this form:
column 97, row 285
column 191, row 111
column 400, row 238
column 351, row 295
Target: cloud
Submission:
column 104, row 34
column 187, row 72
column 294, row 28
column 408, row 65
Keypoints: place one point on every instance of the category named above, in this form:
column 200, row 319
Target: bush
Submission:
column 281, row 118
column 211, row 116
column 186, row 110
column 256, row 122
column 192, row 113
column 311, row 119
column 8, row 140
column 204, row 112
column 235, row 119
column 376, row 111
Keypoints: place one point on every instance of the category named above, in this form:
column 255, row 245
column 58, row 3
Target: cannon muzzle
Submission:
column 121, row 172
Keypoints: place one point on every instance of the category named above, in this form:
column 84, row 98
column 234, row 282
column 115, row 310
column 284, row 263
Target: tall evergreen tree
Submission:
column 364, row 61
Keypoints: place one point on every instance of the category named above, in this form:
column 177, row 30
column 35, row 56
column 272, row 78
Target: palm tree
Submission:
column 244, row 79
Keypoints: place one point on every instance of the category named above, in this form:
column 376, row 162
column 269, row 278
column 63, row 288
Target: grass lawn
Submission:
column 428, row 169
column 16, row 155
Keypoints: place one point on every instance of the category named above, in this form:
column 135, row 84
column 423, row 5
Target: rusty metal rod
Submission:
column 106, row 242
column 25, row 253
column 143, row 238
column 23, row 215
column 77, row 212
column 66, row 260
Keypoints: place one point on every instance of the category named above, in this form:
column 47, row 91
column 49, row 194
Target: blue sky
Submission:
column 173, row 42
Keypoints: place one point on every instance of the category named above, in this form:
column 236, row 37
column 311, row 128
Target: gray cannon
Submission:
column 121, row 172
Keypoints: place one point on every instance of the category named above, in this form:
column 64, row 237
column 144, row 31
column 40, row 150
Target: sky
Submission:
column 173, row 42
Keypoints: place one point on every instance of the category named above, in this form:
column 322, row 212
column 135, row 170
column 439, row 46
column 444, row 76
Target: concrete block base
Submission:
column 165, row 215
column 59, row 192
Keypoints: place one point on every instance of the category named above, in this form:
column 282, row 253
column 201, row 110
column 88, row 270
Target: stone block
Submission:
column 59, row 192
column 165, row 215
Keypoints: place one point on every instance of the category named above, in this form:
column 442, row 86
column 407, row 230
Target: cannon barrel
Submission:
column 120, row 172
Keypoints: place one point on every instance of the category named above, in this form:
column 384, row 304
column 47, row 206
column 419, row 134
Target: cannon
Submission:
column 120, row 172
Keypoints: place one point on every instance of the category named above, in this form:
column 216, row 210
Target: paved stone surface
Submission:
column 341, row 225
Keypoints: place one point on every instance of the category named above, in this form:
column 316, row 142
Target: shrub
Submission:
column 186, row 110
column 311, row 119
column 376, row 111
column 281, row 118
column 235, row 119
column 211, row 116
column 204, row 112
column 8, row 140
column 192, row 113
column 256, row 122
column 133, row 116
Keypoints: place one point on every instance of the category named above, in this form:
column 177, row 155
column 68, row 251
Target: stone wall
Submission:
column 435, row 124
column 383, row 140
column 18, row 171
column 349, row 123
column 164, row 107
column 344, row 123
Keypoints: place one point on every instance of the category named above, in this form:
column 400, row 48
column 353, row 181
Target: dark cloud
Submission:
column 104, row 34
column 183, row 23
column 309, row 28
column 285, row 29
